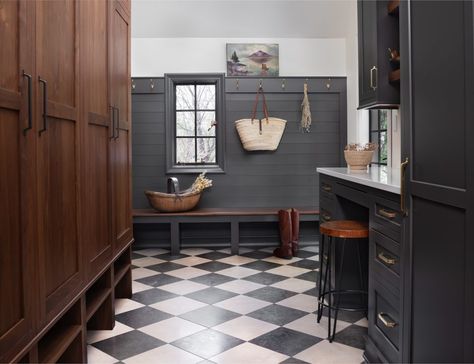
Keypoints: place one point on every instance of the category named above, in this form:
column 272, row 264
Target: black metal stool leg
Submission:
column 326, row 273
column 320, row 288
column 338, row 288
column 330, row 246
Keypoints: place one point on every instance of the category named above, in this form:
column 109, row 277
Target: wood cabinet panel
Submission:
column 17, row 283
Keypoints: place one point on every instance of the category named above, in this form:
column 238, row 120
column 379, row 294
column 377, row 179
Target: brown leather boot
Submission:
column 295, row 231
column 284, row 223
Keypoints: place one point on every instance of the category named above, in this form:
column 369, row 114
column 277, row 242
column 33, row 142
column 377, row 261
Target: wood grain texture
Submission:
column 345, row 229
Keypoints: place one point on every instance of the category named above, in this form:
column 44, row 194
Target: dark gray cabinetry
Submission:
column 438, row 110
column 377, row 32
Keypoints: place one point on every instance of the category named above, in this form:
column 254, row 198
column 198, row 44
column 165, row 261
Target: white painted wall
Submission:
column 298, row 57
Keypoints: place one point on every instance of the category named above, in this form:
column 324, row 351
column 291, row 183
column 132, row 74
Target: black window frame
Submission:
column 171, row 81
column 378, row 131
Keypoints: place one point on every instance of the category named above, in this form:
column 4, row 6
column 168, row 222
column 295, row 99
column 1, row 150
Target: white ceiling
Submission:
column 244, row 19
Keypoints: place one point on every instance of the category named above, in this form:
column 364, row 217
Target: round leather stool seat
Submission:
column 345, row 229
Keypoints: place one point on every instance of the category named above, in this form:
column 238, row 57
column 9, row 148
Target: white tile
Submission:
column 138, row 287
column 146, row 261
column 94, row 336
column 312, row 248
column 187, row 273
column 248, row 353
column 281, row 261
column 325, row 352
column 138, row 273
column 191, row 260
column 166, row 354
column 308, row 325
column 124, row 304
column 245, row 328
column 238, row 272
column 95, row 355
column 242, row 304
column 288, row 271
column 240, row 286
column 152, row 251
column 171, row 329
column 362, row 322
column 183, row 287
column 195, row 251
column 301, row 302
column 314, row 257
column 295, row 285
column 236, row 260
column 178, row 305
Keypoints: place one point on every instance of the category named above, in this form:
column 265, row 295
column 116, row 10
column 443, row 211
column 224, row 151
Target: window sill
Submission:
column 210, row 169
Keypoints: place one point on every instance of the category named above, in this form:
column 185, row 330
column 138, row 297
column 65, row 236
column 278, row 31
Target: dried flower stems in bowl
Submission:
column 359, row 156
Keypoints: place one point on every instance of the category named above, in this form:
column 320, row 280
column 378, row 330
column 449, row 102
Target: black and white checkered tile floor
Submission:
column 208, row 306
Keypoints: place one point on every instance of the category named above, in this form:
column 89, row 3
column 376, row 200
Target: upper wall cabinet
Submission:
column 378, row 33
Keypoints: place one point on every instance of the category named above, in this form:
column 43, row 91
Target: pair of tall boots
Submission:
column 289, row 224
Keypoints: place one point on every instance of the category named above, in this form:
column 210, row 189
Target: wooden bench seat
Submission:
column 234, row 216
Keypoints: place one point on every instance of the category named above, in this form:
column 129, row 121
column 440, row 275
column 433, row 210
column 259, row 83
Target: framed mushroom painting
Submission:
column 248, row 59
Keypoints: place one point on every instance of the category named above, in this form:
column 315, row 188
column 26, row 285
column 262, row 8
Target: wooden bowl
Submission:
column 170, row 202
column 358, row 160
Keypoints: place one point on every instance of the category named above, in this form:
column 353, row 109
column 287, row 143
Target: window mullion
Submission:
column 195, row 123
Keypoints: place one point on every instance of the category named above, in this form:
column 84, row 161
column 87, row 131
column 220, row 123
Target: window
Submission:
column 379, row 122
column 195, row 123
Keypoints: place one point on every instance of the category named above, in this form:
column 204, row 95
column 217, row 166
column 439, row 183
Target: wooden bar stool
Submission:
column 345, row 230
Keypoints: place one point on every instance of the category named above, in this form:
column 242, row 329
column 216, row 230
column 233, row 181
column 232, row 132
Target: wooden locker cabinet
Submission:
column 17, row 171
column 120, row 102
column 377, row 32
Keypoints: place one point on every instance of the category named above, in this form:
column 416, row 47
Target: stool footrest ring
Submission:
column 341, row 292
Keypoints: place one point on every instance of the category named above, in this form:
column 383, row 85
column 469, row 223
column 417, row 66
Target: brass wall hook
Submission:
column 283, row 84
column 152, row 84
column 133, row 84
column 237, row 84
column 260, row 85
column 328, row 84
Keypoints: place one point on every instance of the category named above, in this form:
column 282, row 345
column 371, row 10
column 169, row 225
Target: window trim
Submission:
column 173, row 79
column 379, row 131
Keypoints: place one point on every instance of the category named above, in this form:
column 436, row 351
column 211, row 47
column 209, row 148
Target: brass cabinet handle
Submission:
column 388, row 214
column 387, row 320
column 372, row 84
column 327, row 188
column 386, row 260
column 44, row 83
column 326, row 217
column 403, row 166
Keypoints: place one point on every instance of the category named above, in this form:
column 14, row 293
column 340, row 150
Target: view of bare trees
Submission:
column 195, row 115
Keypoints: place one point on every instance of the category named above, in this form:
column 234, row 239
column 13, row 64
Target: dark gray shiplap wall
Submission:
column 284, row 178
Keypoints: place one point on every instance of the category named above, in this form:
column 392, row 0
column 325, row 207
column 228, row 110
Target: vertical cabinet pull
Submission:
column 403, row 167
column 45, row 105
column 117, row 123
column 30, row 115
column 112, row 115
column 373, row 80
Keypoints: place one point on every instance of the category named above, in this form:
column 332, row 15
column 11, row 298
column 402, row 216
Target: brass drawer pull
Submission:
column 386, row 320
column 327, row 188
column 386, row 260
column 326, row 217
column 388, row 214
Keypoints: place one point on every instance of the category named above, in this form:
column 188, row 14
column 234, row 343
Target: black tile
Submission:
column 214, row 255
column 213, row 266
column 265, row 278
column 261, row 265
column 212, row 279
column 158, row 280
column 305, row 254
column 211, row 295
column 346, row 316
column 293, row 361
column 278, row 315
column 306, row 263
column 168, row 257
column 137, row 256
column 129, row 344
column 153, row 295
column 257, row 254
column 270, row 294
column 353, row 335
column 286, row 341
column 141, row 317
column 209, row 316
column 165, row 267
column 312, row 292
column 207, row 343
column 309, row 276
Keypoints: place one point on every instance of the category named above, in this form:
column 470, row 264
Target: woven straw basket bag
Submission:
column 260, row 134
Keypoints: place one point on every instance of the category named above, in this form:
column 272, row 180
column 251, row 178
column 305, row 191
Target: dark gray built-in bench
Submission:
column 234, row 216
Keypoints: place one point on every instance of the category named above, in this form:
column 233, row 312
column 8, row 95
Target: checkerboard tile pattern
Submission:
column 208, row 306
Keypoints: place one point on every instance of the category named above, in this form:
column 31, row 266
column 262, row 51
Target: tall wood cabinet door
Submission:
column 58, row 152
column 438, row 112
column 120, row 96
column 96, row 208
column 17, row 176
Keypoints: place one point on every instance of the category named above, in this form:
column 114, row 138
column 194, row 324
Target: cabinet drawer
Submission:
column 327, row 204
column 324, row 215
column 387, row 217
column 385, row 260
column 326, row 188
column 352, row 194
column 384, row 321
